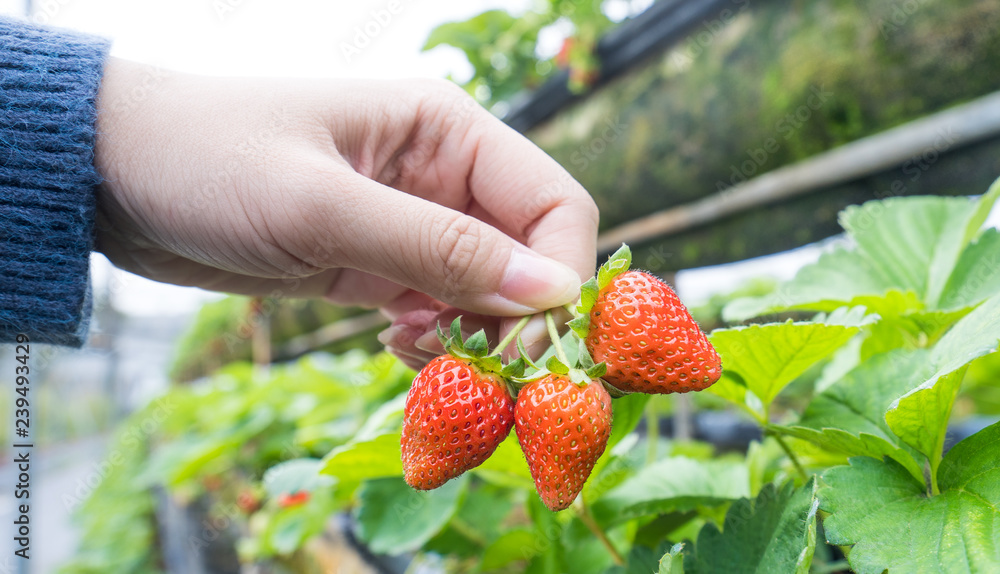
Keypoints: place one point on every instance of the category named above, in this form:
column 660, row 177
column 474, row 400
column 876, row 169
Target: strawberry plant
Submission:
column 852, row 380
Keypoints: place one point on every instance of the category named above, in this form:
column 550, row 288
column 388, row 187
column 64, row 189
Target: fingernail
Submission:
column 538, row 282
column 388, row 337
column 429, row 342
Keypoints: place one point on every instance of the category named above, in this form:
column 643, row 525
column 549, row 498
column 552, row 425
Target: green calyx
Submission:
column 582, row 373
column 618, row 263
column 476, row 350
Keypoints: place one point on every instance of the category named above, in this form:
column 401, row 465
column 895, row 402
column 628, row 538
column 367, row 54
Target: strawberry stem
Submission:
column 583, row 513
column 510, row 336
column 791, row 455
column 550, row 324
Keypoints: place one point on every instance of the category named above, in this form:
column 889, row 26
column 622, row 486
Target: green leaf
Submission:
column 507, row 466
column 477, row 345
column 776, row 532
column 920, row 417
column 645, row 560
column 673, row 561
column 891, row 523
column 286, row 531
column 833, row 281
column 849, row 417
column 914, row 241
column 580, row 326
column 908, row 244
column 395, row 519
column 301, row 474
column 597, row 371
column 618, row 263
column 768, row 357
column 358, row 461
column 548, row 534
column 513, row 369
column 626, row 413
column 584, row 358
column 588, row 296
column 977, row 274
column 673, row 484
column 556, row 366
column 511, row 546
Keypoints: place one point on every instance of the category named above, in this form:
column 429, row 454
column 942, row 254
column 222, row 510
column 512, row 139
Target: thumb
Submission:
column 451, row 256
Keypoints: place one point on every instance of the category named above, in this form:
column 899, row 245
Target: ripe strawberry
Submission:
column 288, row 500
column 637, row 326
column 458, row 410
column 563, row 429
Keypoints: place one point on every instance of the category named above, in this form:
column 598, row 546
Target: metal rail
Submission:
column 938, row 133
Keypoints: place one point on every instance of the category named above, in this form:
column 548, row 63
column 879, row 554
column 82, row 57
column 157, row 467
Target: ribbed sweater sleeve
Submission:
column 48, row 87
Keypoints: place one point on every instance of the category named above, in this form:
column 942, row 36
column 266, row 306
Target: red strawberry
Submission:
column 458, row 410
column 563, row 429
column 288, row 500
column 636, row 325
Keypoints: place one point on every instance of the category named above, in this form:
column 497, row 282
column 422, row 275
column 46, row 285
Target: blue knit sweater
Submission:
column 48, row 87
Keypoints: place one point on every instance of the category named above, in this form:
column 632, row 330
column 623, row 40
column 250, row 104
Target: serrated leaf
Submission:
column 920, row 417
column 456, row 328
column 392, row 518
column 513, row 369
column 597, row 371
column 768, row 357
column 363, row 460
column 857, row 444
column 891, row 523
column 556, row 366
column 776, row 532
column 976, row 275
column 583, row 356
column 588, row 296
column 618, row 263
column 491, row 363
column 904, row 243
column 524, row 353
column 915, row 241
column 670, row 485
column 849, row 416
column 673, row 561
column 580, row 326
column 477, row 345
column 298, row 475
column 511, row 546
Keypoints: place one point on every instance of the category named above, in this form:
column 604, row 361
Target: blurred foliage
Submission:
column 906, row 309
column 502, row 48
column 117, row 521
column 222, row 332
column 769, row 85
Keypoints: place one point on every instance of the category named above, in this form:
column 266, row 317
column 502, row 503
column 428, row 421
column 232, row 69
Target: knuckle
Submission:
column 459, row 242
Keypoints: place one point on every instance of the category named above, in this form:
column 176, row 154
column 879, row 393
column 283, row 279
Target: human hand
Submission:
column 406, row 196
